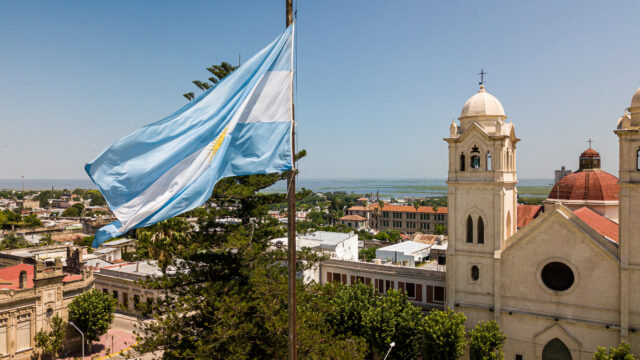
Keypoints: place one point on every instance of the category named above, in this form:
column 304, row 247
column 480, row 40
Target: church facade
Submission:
column 569, row 280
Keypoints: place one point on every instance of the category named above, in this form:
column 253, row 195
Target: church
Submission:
column 560, row 284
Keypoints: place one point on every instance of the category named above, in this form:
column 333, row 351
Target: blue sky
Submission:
column 378, row 81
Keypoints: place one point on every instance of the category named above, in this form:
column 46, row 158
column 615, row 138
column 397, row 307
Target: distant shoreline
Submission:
column 390, row 187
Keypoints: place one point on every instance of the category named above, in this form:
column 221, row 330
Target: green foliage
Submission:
column 439, row 229
column 161, row 241
column 31, row 221
column 355, row 311
column 95, row 198
column 49, row 342
column 46, row 239
column 367, row 254
column 11, row 242
column 444, row 335
column 485, row 341
column 390, row 235
column 92, row 313
column 621, row 352
column 75, row 210
column 394, row 319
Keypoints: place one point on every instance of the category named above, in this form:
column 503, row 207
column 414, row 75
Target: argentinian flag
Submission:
column 242, row 126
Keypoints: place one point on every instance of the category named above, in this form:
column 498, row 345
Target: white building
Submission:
column 409, row 251
column 343, row 246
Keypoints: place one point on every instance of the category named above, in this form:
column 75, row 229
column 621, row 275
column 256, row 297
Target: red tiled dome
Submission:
column 587, row 185
column 590, row 153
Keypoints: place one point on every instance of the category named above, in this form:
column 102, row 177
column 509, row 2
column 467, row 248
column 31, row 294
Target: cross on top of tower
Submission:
column 589, row 141
column 482, row 74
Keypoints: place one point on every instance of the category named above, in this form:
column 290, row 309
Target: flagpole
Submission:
column 291, row 197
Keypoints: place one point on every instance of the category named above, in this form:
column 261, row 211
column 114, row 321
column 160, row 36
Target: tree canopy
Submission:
column 92, row 313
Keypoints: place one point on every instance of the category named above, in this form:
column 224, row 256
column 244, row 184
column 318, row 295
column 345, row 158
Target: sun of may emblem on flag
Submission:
column 215, row 145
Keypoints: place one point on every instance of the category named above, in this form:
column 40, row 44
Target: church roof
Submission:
column 590, row 153
column 599, row 223
column 592, row 185
column 589, row 183
column 526, row 214
column 482, row 104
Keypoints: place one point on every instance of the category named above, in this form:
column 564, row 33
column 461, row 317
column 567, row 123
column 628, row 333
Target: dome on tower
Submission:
column 635, row 101
column 589, row 183
column 482, row 104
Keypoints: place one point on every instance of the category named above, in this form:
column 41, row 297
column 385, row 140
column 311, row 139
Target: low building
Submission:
column 335, row 245
column 424, row 286
column 123, row 282
column 406, row 253
column 355, row 222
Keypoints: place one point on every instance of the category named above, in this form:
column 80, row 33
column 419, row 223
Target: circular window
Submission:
column 557, row 276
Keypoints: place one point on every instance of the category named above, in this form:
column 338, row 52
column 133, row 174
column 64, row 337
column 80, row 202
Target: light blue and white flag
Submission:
column 242, row 126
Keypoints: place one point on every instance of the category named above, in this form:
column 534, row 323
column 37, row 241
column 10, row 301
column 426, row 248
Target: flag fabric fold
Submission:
column 242, row 126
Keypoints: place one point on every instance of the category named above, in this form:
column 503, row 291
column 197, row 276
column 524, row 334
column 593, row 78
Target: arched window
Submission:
column 556, row 350
column 480, row 231
column 475, row 273
column 508, row 224
column 469, row 230
column 638, row 160
column 462, row 162
column 475, row 162
column 489, row 164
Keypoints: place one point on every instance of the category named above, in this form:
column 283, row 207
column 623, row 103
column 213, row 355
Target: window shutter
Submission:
column 367, row 281
column 429, row 293
column 419, row 292
column 329, row 277
column 400, row 286
column 344, row 279
column 353, row 279
column 377, row 284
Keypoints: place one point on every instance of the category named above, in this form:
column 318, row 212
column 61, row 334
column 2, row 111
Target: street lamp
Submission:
column 390, row 347
column 82, row 334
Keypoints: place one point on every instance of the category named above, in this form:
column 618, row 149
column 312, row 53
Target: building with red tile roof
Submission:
column 404, row 218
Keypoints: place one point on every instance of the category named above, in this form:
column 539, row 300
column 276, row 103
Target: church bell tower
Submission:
column 482, row 205
column 628, row 131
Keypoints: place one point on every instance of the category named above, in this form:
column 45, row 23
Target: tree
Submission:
column 395, row 319
column 92, row 313
column 444, row 335
column 76, row 210
column 485, row 341
column 11, row 242
column 367, row 253
column 32, row 221
column 164, row 240
column 49, row 342
column 46, row 239
column 439, row 229
column 621, row 352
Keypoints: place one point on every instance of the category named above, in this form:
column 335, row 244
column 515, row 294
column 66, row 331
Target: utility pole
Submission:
column 291, row 197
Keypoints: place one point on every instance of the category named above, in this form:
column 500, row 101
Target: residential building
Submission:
column 123, row 282
column 406, row 253
column 404, row 218
column 335, row 245
column 355, row 222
